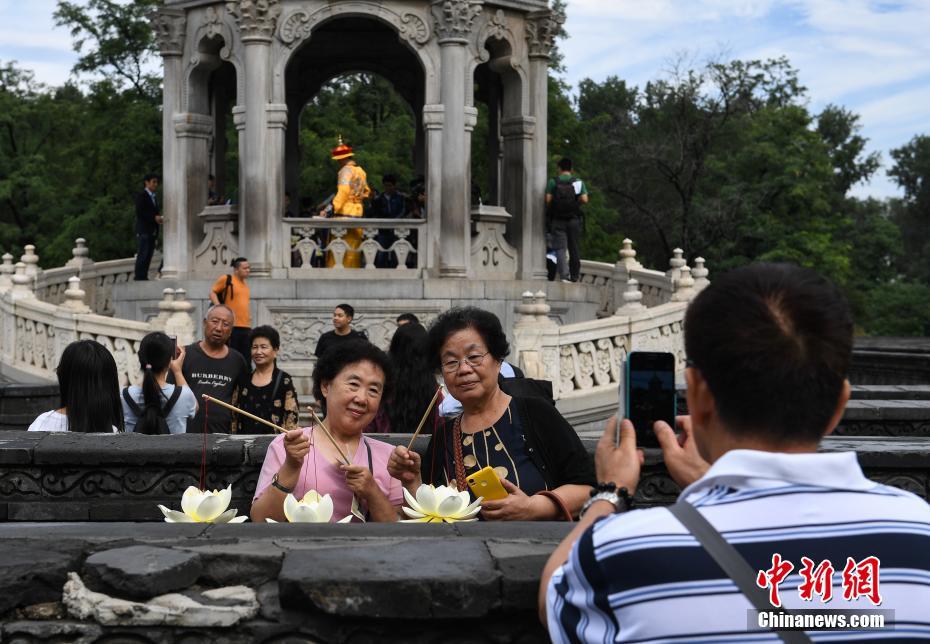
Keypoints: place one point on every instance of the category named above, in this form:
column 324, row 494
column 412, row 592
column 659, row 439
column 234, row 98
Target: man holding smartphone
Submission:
column 769, row 348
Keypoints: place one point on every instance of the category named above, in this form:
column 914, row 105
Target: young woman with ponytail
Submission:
column 157, row 406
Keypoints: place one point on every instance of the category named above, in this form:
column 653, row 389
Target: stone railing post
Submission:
column 165, row 309
column 23, row 285
column 684, row 288
column 532, row 322
column 700, row 273
column 80, row 254
column 632, row 299
column 675, row 264
column 180, row 323
column 31, row 260
column 74, row 296
column 623, row 271
column 6, row 273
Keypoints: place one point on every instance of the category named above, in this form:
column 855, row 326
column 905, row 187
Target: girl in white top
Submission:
column 89, row 390
column 157, row 354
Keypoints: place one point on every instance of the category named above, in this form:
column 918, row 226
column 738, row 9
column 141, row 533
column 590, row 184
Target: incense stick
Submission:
column 429, row 408
column 332, row 440
column 245, row 413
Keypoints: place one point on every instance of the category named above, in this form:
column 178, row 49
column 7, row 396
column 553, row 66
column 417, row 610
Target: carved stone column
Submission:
column 541, row 29
column 192, row 132
column 169, row 27
column 433, row 116
column 275, row 134
column 518, row 196
column 261, row 167
column 454, row 20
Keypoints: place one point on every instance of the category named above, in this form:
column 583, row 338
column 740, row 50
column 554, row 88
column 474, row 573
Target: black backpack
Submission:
column 162, row 413
column 221, row 296
column 564, row 202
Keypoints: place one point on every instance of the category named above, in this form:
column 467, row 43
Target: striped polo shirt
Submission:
column 640, row 576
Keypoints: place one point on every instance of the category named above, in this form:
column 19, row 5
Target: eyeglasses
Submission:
column 473, row 360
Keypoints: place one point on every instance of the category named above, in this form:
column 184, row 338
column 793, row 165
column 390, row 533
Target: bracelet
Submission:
column 277, row 484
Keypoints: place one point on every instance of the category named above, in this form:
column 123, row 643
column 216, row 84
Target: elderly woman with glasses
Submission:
column 537, row 455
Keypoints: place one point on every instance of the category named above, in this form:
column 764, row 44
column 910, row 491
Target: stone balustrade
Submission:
column 316, row 242
column 33, row 332
column 97, row 278
column 641, row 310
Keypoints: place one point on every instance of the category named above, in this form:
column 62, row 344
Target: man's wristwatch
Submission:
column 619, row 498
column 277, row 484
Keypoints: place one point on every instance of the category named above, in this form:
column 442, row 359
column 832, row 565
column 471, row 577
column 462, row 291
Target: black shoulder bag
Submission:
column 733, row 564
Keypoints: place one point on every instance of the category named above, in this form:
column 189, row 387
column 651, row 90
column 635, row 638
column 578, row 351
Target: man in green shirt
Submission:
column 565, row 195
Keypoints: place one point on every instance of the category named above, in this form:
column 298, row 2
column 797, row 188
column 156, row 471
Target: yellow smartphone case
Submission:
column 485, row 483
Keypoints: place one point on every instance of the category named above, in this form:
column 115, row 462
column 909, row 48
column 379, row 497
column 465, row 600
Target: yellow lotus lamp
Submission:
column 204, row 506
column 313, row 508
column 441, row 504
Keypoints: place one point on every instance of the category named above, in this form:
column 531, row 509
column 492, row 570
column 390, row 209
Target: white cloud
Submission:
column 872, row 58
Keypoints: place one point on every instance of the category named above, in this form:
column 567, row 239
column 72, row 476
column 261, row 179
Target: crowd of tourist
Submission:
column 769, row 350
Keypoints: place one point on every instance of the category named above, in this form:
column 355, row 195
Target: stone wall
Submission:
column 99, row 477
column 272, row 583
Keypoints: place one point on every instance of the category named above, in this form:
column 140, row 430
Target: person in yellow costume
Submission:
column 351, row 191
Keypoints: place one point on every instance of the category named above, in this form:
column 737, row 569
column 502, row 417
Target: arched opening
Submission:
column 371, row 116
column 498, row 142
column 209, row 137
column 358, row 63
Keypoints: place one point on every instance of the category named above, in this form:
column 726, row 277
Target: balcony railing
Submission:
column 389, row 248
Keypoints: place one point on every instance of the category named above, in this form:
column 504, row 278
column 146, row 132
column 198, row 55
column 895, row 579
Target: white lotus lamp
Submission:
column 203, row 506
column 313, row 508
column 440, row 504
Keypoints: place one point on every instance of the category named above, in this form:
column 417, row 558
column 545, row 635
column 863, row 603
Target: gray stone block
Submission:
column 48, row 511
column 248, row 564
column 55, row 631
column 16, row 448
column 538, row 531
column 280, row 532
column 125, row 449
column 453, row 289
column 31, row 573
column 420, row 579
column 141, row 572
column 520, row 564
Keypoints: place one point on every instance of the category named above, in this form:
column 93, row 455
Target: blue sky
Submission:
column 871, row 56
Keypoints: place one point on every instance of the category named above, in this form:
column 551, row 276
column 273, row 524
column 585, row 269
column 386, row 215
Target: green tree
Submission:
column 114, row 40
column 911, row 170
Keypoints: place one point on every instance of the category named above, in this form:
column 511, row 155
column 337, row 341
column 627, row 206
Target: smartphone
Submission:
column 485, row 483
column 650, row 393
column 174, row 339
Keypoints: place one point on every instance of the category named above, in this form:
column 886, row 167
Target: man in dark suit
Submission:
column 148, row 218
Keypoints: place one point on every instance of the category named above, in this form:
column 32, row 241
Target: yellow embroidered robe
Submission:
column 351, row 191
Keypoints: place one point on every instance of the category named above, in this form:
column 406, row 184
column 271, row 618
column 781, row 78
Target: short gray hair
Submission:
column 219, row 306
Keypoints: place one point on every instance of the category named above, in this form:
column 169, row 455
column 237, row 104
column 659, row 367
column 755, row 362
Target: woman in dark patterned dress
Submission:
column 268, row 392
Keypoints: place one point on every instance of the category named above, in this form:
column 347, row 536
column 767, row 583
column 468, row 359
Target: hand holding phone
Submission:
column 485, row 483
column 650, row 393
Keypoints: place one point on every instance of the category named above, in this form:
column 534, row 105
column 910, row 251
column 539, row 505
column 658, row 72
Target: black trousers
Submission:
column 144, row 254
column 566, row 235
column 239, row 340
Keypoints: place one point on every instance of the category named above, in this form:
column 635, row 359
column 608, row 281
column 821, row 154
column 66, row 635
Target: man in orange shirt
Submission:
column 232, row 291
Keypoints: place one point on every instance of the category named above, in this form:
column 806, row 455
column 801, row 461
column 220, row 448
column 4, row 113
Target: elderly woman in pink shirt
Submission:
column 350, row 381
